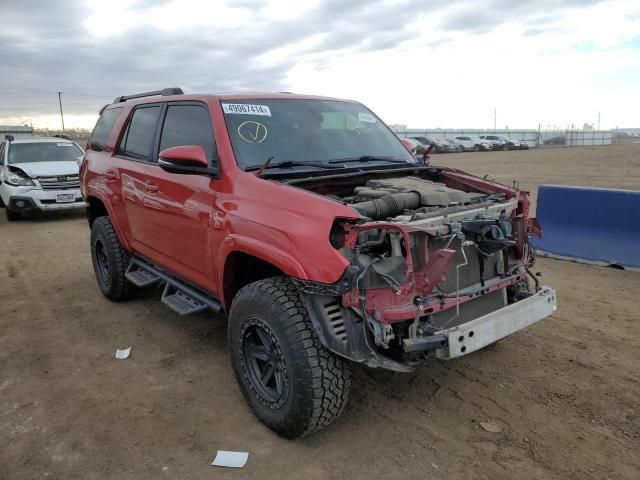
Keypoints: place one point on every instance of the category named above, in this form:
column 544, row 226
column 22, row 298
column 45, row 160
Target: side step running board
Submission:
column 177, row 295
column 140, row 277
column 181, row 303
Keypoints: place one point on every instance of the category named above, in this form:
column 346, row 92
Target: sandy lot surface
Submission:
column 565, row 392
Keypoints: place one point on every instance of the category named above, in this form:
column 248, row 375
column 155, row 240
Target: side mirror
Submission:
column 408, row 143
column 186, row 159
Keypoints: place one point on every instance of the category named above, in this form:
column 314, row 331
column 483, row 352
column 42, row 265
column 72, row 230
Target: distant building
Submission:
column 17, row 132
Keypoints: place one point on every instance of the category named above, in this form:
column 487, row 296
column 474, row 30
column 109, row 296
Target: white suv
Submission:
column 39, row 174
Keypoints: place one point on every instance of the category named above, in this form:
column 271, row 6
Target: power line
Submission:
column 27, row 91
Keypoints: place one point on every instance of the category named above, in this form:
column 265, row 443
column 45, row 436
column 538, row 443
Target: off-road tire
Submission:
column 106, row 251
column 315, row 382
column 12, row 215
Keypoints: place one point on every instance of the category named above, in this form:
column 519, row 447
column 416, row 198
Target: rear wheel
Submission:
column 292, row 383
column 12, row 215
column 110, row 261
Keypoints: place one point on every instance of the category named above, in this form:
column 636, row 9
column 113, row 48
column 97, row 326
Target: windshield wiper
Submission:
column 368, row 158
column 284, row 164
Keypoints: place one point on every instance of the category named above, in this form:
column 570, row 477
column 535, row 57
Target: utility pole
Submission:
column 61, row 114
column 598, row 120
column 495, row 114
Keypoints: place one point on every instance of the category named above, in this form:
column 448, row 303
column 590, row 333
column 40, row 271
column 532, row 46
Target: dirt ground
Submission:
column 565, row 392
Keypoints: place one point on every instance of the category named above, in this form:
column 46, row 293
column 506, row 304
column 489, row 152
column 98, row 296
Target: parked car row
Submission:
column 467, row 143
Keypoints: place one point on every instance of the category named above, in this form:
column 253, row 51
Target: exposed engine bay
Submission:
column 415, row 197
column 482, row 219
column 430, row 251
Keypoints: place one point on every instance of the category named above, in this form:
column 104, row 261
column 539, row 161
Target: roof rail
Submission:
column 163, row 92
column 62, row 135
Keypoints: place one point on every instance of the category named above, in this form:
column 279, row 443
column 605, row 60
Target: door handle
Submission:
column 150, row 188
column 109, row 175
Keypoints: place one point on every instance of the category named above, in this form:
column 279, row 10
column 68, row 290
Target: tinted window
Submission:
column 103, row 128
column 187, row 125
column 138, row 139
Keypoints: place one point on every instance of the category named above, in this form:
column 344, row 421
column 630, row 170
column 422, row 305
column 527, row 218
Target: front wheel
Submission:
column 12, row 215
column 292, row 383
column 476, row 148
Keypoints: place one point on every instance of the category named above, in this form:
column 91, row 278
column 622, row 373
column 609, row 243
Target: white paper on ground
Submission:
column 230, row 459
column 122, row 354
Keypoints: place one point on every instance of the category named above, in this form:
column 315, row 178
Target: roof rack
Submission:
column 163, row 92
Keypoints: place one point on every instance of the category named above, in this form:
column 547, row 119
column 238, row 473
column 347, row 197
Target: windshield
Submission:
column 318, row 131
column 44, row 152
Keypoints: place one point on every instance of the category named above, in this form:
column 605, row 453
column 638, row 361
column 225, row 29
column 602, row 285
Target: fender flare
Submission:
column 234, row 243
column 123, row 241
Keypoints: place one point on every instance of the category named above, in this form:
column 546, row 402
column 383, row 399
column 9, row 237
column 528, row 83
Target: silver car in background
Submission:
column 474, row 144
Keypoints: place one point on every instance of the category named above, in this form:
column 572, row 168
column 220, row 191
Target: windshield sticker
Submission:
column 252, row 132
column 246, row 109
column 366, row 118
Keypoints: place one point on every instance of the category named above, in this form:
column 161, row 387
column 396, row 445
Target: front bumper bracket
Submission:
column 483, row 331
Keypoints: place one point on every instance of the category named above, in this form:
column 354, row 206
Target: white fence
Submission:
column 589, row 137
column 533, row 138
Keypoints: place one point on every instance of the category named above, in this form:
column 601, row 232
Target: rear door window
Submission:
column 188, row 125
column 137, row 141
column 102, row 129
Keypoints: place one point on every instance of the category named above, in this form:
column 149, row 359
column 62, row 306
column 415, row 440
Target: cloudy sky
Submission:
column 422, row 63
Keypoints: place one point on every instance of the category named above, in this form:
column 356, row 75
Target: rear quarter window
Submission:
column 102, row 129
column 138, row 138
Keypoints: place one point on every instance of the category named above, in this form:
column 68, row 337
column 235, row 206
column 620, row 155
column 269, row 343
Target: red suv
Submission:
column 308, row 223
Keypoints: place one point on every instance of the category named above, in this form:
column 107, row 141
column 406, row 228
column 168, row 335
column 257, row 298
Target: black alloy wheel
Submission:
column 264, row 363
column 102, row 263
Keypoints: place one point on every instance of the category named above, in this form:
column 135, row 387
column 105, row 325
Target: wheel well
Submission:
column 241, row 269
column 95, row 209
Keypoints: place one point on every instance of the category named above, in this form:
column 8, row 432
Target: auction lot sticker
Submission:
column 246, row 109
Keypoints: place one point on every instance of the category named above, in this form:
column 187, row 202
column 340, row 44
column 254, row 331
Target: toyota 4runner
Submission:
column 308, row 223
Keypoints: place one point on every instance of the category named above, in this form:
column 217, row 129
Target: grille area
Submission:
column 470, row 310
column 60, row 182
column 470, row 273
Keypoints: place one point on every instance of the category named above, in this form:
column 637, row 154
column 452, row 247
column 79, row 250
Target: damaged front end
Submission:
column 431, row 254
